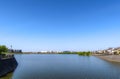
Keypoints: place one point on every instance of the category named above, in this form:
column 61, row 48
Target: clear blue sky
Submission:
column 35, row 25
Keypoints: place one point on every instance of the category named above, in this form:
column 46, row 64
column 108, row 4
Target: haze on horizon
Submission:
column 36, row 25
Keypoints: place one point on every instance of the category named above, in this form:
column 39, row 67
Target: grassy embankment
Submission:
column 79, row 53
column 84, row 53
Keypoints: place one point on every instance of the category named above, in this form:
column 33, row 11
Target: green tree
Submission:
column 3, row 48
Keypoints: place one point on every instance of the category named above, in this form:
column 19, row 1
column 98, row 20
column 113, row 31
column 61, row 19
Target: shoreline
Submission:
column 110, row 58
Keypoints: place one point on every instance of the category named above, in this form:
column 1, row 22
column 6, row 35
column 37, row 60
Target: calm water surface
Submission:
column 57, row 66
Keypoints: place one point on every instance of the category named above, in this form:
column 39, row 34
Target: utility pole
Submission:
column 11, row 46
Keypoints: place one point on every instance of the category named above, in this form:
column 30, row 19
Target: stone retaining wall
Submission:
column 7, row 65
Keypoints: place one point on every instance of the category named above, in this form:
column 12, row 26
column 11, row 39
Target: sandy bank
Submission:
column 112, row 58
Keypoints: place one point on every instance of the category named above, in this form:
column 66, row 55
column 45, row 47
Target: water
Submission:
column 57, row 66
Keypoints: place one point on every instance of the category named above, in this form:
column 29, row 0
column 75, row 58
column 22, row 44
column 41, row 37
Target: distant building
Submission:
column 110, row 51
column 14, row 51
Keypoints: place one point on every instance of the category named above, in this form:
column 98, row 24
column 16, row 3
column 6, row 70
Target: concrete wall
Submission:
column 7, row 65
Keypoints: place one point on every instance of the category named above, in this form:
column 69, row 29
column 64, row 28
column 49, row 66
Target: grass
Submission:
column 79, row 53
column 6, row 53
column 84, row 53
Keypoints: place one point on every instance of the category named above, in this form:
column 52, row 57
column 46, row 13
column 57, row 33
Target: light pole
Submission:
column 11, row 46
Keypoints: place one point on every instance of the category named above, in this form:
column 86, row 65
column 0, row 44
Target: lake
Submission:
column 63, row 66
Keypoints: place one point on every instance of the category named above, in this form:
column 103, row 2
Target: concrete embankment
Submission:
column 7, row 65
column 111, row 58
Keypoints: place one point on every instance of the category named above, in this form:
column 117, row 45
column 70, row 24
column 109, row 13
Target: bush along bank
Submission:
column 84, row 53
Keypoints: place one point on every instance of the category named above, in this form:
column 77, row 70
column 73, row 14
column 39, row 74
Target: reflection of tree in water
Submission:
column 8, row 76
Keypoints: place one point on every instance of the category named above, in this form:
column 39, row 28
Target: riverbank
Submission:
column 7, row 65
column 111, row 58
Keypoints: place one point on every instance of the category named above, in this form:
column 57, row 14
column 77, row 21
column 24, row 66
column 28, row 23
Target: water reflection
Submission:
column 8, row 76
column 56, row 66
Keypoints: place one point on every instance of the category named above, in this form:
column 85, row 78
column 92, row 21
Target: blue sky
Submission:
column 36, row 25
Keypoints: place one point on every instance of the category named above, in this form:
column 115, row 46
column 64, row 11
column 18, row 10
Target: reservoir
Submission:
column 63, row 66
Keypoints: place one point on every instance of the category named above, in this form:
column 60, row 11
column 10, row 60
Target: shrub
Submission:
column 84, row 53
column 3, row 48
